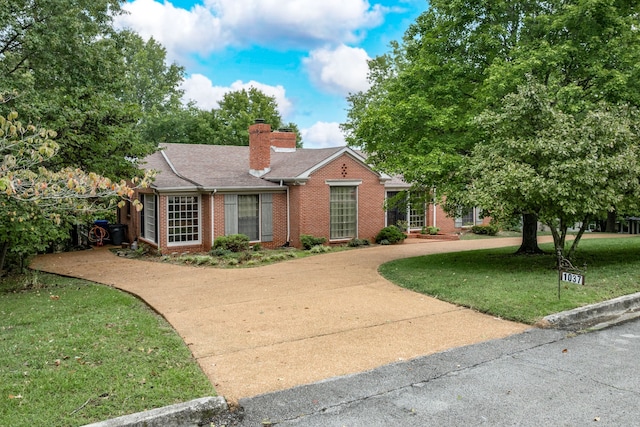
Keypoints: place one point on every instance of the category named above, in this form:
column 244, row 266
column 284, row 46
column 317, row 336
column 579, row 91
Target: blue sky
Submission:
column 308, row 54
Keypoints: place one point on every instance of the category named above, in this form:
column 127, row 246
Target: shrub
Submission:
column 431, row 230
column 489, row 230
column 391, row 234
column 320, row 249
column 354, row 243
column 257, row 247
column 232, row 242
column 309, row 241
column 245, row 256
column 220, row 252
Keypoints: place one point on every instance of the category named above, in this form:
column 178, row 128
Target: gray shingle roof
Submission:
column 192, row 166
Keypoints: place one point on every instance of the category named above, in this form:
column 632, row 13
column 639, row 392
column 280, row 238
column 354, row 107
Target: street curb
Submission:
column 607, row 312
column 187, row 414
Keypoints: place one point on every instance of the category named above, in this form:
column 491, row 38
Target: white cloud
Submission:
column 323, row 134
column 200, row 89
column 180, row 31
column 342, row 70
column 297, row 22
column 217, row 24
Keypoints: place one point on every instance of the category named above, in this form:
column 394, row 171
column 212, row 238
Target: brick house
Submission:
column 271, row 191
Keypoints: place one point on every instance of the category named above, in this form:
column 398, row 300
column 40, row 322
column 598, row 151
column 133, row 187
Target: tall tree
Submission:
column 462, row 57
column 63, row 65
column 567, row 169
column 417, row 118
column 226, row 125
column 239, row 109
column 183, row 125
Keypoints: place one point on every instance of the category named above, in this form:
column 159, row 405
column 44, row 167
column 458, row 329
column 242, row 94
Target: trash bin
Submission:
column 117, row 233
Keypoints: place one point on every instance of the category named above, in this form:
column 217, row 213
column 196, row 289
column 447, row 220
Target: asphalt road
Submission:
column 538, row 378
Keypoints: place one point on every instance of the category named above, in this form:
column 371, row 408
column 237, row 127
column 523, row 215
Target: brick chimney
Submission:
column 259, row 148
column 283, row 138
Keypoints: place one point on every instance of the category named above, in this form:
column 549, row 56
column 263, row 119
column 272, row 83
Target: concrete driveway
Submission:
column 258, row 330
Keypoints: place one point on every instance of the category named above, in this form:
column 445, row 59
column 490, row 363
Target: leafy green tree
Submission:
column 239, row 109
column 226, row 125
column 416, row 120
column 463, row 57
column 184, row 125
column 149, row 82
column 566, row 169
column 63, row 65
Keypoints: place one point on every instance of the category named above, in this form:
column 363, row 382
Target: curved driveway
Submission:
column 257, row 330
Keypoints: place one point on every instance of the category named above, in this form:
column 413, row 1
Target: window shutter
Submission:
column 267, row 217
column 141, row 215
column 458, row 223
column 230, row 214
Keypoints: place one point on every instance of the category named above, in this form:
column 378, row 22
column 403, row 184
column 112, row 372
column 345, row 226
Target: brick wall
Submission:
column 313, row 199
column 445, row 223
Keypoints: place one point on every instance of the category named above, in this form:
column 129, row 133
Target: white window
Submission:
column 417, row 215
column 344, row 212
column 148, row 218
column 183, row 219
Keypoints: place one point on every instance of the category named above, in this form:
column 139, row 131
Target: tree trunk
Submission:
column 529, row 244
column 611, row 222
column 3, row 254
column 574, row 246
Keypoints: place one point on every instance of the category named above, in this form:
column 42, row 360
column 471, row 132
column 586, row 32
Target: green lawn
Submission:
column 73, row 352
column 521, row 288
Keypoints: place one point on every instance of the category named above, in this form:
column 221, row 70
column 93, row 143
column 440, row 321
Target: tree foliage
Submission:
column 63, row 65
column 566, row 169
column 461, row 58
column 226, row 125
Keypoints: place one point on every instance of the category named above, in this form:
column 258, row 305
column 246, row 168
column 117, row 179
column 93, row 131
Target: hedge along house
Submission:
column 270, row 191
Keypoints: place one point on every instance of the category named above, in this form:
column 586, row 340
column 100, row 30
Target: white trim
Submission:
column 357, row 215
column 258, row 173
column 200, row 223
column 343, row 182
column 349, row 152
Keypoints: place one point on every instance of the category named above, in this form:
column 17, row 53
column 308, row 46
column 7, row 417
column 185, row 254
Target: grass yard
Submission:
column 73, row 353
column 521, row 288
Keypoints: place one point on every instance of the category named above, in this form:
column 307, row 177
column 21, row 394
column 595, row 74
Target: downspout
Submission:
column 434, row 207
column 288, row 214
column 213, row 212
